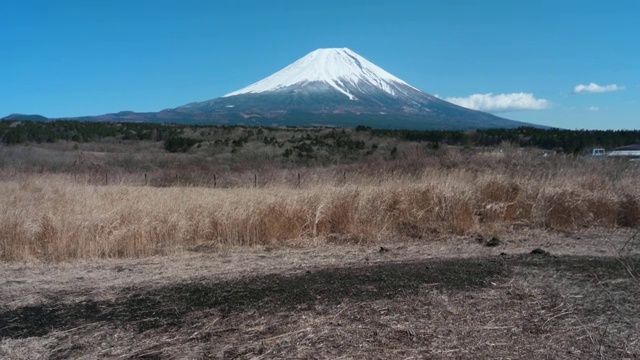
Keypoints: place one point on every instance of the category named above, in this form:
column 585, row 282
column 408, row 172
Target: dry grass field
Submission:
column 416, row 257
column 58, row 217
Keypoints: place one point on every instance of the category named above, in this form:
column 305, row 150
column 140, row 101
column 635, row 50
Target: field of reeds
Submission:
column 59, row 216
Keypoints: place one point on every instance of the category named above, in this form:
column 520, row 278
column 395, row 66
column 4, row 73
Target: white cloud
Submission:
column 595, row 88
column 593, row 108
column 501, row 102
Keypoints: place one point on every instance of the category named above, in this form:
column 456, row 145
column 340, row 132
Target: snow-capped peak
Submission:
column 340, row 68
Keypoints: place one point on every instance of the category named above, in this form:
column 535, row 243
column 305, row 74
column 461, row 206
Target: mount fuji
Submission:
column 337, row 87
column 327, row 87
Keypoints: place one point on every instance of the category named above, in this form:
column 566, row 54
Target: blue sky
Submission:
column 567, row 63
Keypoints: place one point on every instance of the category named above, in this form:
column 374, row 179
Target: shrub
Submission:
column 179, row 144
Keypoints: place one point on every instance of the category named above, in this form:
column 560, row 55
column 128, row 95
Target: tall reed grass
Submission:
column 53, row 217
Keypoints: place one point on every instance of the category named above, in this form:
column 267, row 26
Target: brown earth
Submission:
column 446, row 298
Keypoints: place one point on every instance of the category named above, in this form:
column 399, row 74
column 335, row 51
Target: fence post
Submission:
column 298, row 179
column 145, row 179
column 344, row 177
column 215, row 181
column 106, row 178
column 255, row 180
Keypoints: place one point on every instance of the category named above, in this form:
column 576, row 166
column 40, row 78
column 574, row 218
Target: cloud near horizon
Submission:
column 595, row 88
column 501, row 102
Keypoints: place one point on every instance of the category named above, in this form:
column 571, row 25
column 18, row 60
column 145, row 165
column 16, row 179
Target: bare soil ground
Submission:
column 454, row 297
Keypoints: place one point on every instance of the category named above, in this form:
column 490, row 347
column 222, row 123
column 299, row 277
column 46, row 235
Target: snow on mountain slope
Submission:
column 340, row 68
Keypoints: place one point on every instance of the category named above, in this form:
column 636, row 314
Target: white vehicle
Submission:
column 632, row 151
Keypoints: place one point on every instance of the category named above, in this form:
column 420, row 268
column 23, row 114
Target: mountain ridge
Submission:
column 327, row 87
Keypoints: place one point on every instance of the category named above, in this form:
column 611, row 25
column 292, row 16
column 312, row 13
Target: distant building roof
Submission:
column 633, row 147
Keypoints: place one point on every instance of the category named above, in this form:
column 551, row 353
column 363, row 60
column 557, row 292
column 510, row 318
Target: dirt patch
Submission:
column 351, row 302
column 169, row 306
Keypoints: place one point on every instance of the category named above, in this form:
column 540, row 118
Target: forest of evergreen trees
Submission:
column 567, row 141
column 78, row 131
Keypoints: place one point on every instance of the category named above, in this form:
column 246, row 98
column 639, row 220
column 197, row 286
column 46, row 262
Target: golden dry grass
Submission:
column 58, row 217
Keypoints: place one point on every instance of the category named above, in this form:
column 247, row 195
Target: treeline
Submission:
column 40, row 132
column 567, row 141
column 177, row 139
